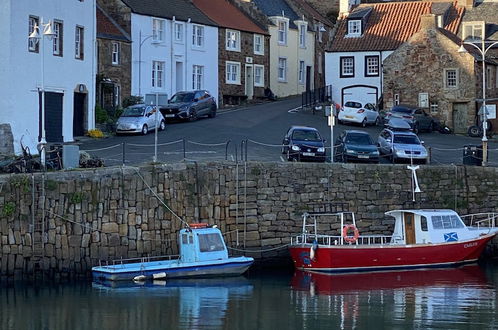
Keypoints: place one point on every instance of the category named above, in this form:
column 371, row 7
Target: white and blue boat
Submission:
column 203, row 253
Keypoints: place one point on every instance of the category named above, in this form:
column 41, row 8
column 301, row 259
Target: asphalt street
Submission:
column 254, row 133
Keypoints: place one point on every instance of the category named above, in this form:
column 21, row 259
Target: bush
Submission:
column 95, row 133
column 132, row 100
column 101, row 115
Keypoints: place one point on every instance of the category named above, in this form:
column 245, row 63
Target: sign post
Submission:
column 331, row 119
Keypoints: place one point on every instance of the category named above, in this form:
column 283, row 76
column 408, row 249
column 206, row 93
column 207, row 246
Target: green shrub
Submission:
column 101, row 115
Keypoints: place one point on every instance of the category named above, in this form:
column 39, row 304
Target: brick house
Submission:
column 114, row 62
column 243, row 59
column 429, row 72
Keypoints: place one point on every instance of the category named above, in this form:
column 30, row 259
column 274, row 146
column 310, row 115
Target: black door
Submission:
column 53, row 117
column 79, row 114
column 308, row 78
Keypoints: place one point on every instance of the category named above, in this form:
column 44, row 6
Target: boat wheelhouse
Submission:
column 421, row 238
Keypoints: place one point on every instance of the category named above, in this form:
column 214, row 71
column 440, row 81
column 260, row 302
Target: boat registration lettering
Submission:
column 469, row 245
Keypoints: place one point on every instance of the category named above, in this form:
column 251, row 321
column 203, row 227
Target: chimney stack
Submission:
column 428, row 22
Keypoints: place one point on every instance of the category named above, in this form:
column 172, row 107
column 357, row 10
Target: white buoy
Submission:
column 158, row 276
column 139, row 278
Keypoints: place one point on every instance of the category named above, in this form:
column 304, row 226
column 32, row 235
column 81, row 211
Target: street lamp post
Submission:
column 483, row 49
column 140, row 60
column 37, row 37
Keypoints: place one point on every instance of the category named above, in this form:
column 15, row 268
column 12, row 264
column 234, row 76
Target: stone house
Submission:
column 429, row 72
column 243, row 60
column 113, row 62
column 367, row 34
column 174, row 46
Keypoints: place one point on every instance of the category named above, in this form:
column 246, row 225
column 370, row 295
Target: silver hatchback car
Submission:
column 401, row 145
column 139, row 118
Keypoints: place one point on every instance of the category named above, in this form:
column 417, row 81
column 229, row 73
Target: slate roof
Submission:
column 304, row 5
column 181, row 9
column 391, row 24
column 107, row 28
column 227, row 15
column 275, row 8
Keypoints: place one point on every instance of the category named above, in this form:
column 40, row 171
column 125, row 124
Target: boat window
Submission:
column 446, row 222
column 184, row 238
column 423, row 223
column 191, row 239
column 210, row 242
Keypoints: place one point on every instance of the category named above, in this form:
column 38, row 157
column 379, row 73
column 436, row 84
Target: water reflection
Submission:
column 419, row 298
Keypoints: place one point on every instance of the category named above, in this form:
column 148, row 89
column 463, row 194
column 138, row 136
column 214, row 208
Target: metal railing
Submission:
column 481, row 220
column 333, row 240
column 316, row 96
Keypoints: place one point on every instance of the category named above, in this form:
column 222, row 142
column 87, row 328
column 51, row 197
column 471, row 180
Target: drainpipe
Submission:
column 381, row 78
column 172, row 54
column 186, row 52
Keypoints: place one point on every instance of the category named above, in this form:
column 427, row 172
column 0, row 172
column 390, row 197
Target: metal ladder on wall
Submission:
column 37, row 228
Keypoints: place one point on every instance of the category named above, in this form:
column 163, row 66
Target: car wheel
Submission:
column 364, row 123
column 162, row 125
column 212, row 113
column 289, row 157
column 474, row 131
column 377, row 121
column 145, row 130
column 193, row 115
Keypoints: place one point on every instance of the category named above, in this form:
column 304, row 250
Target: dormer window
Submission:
column 473, row 30
column 282, row 32
column 354, row 28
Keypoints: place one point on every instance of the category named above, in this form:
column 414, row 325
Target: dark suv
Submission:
column 416, row 117
column 303, row 143
column 190, row 105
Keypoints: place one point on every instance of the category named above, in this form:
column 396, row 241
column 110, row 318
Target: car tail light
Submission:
column 408, row 117
column 361, row 111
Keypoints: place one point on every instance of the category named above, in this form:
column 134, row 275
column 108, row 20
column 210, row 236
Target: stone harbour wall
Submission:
column 63, row 223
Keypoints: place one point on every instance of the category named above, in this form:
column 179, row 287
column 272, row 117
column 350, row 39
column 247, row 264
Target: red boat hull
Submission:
column 347, row 258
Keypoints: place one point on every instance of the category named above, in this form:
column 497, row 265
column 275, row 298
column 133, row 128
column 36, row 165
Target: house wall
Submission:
column 21, row 70
column 359, row 85
column 294, row 54
column 238, row 91
column 171, row 52
column 418, row 67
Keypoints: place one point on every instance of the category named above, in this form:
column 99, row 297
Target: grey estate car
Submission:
column 401, row 145
column 190, row 105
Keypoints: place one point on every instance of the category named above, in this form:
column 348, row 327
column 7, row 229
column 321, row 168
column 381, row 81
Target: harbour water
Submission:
column 454, row 298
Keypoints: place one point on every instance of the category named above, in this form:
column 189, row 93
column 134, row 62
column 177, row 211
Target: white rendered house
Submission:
column 62, row 65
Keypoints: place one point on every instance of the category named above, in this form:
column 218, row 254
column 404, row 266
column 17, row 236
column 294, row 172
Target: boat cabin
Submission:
column 428, row 226
column 201, row 242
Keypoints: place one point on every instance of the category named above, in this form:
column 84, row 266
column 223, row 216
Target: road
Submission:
column 262, row 126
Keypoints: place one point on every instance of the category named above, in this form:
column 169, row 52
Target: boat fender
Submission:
column 350, row 239
column 139, row 278
column 159, row 276
column 313, row 248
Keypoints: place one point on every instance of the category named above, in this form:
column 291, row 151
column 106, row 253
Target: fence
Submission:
column 316, row 96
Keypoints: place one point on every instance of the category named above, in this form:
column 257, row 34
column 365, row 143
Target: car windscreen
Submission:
column 182, row 98
column 362, row 139
column 406, row 139
column 306, row 135
column 133, row 112
column 350, row 104
column 402, row 110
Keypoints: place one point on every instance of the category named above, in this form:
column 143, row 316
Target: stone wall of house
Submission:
column 418, row 66
column 119, row 11
column 65, row 222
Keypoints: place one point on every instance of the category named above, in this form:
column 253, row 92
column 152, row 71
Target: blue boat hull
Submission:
column 173, row 269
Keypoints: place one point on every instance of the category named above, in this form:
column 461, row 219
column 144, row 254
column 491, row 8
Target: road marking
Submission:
column 294, row 110
column 232, row 158
column 282, row 159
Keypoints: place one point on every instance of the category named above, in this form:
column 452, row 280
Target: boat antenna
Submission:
column 415, row 186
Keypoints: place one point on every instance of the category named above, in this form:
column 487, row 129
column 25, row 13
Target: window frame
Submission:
column 197, row 76
column 342, row 59
column 229, row 41
column 262, row 75
column 158, row 37
column 229, row 73
column 368, row 66
column 58, row 39
column 79, row 42
column 447, row 85
column 115, row 53
column 158, row 75
column 197, row 38
column 302, row 35
column 261, row 44
column 33, row 45
column 301, row 73
column 282, row 33
column 473, row 26
column 354, row 28
column 282, row 78
column 178, row 32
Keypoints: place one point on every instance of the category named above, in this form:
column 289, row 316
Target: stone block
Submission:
column 110, row 227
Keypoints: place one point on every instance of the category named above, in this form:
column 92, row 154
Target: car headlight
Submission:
column 295, row 148
column 349, row 151
column 399, row 152
column 183, row 109
column 321, row 149
column 375, row 153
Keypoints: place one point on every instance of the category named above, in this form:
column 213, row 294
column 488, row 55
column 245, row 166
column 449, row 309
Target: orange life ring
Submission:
column 350, row 239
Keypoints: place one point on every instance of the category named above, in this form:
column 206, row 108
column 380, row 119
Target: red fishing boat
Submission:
column 421, row 239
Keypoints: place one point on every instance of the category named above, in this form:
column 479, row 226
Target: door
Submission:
column 308, row 78
column 79, row 114
column 460, row 112
column 409, row 228
column 53, row 117
column 249, row 82
column 179, row 76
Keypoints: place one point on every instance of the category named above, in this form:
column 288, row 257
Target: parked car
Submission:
column 139, row 118
column 303, row 143
column 401, row 144
column 417, row 118
column 359, row 113
column 190, row 106
column 354, row 145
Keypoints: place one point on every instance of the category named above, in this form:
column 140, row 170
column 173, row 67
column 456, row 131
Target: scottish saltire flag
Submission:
column 451, row 237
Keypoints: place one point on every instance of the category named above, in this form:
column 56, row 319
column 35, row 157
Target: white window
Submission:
column 423, row 100
column 232, row 72
column 115, row 53
column 117, row 95
column 371, row 66
column 301, row 72
column 198, row 36
column 302, row 36
column 197, row 77
column 259, row 75
column 179, row 32
column 57, row 51
column 282, row 69
column 157, row 74
column 354, row 28
column 259, row 46
column 78, row 42
column 157, row 30
column 282, row 32
column 451, row 78
column 434, row 107
column 396, row 99
column 233, row 40
column 32, row 43
column 347, row 66
column 473, row 30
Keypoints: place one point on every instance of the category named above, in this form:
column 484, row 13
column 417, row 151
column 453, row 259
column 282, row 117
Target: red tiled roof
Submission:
column 227, row 15
column 106, row 28
column 389, row 25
